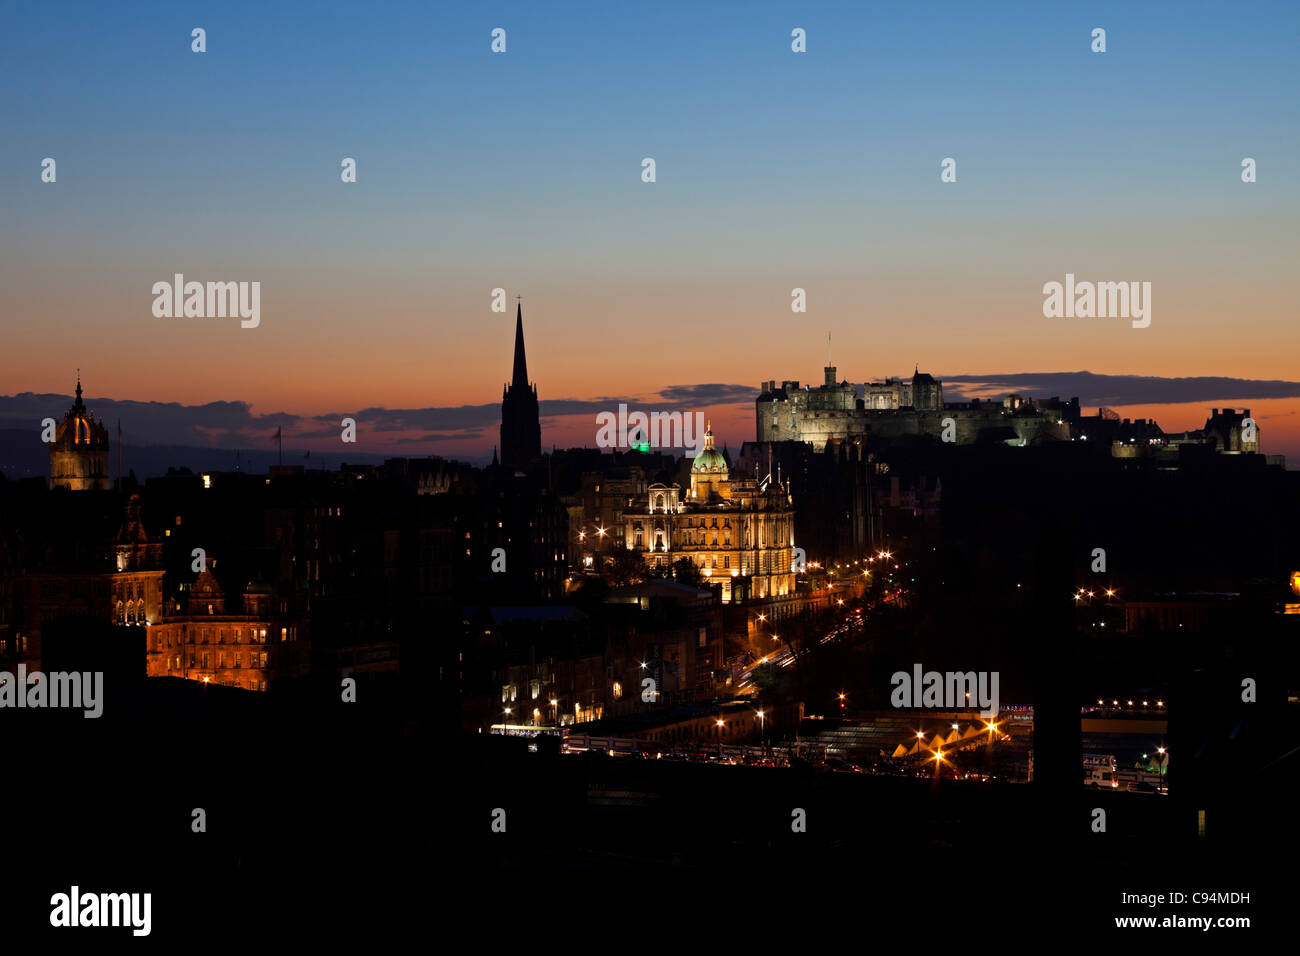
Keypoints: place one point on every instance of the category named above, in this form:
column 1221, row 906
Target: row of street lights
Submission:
column 554, row 702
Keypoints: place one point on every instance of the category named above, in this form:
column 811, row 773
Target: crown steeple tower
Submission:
column 79, row 452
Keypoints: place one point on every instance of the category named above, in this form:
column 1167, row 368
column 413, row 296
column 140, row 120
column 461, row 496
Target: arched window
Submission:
column 119, row 616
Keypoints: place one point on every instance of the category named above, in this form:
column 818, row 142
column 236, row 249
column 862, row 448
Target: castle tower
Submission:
column 79, row 452
column 521, row 428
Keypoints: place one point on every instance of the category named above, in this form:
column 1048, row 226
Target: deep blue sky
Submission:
column 521, row 170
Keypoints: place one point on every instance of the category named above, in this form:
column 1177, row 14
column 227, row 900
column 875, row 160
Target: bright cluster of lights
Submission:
column 1115, row 703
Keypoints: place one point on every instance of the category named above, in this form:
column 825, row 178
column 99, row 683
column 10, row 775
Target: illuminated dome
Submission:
column 709, row 461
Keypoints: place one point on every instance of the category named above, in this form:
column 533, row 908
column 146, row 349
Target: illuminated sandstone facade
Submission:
column 204, row 642
column 738, row 531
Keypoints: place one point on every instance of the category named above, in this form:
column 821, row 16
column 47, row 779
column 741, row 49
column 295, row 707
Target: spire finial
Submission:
column 78, row 386
column 519, row 376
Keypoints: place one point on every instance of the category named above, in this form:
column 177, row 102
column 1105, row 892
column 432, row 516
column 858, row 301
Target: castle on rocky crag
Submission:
column 895, row 410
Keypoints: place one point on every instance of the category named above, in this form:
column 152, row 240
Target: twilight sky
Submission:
column 522, row 170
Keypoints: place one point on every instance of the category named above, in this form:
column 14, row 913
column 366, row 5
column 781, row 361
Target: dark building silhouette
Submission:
column 521, row 428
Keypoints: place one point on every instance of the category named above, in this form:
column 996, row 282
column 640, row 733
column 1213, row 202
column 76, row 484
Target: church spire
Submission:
column 521, row 429
column 520, row 378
